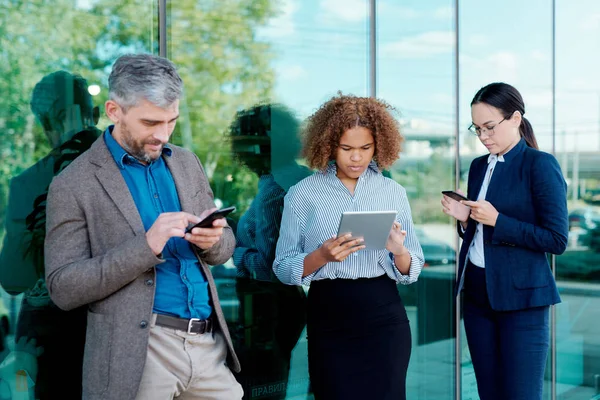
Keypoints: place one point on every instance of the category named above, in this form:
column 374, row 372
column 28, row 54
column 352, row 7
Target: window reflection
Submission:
column 251, row 60
column 271, row 315
column 44, row 333
column 577, row 137
column 415, row 60
column 54, row 62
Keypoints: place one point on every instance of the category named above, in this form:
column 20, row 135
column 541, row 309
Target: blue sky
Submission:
column 322, row 47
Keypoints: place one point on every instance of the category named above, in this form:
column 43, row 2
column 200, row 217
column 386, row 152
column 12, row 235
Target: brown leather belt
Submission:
column 193, row 326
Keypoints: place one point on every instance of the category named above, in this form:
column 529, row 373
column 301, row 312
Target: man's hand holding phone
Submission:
column 203, row 231
column 166, row 226
column 203, row 236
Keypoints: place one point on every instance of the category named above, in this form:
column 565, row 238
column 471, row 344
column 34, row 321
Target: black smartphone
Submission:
column 454, row 195
column 210, row 218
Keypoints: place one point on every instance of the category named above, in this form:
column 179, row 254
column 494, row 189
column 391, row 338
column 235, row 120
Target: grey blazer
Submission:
column 96, row 254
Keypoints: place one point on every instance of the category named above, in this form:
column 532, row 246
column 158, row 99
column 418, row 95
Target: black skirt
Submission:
column 359, row 340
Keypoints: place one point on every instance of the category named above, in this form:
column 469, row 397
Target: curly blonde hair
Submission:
column 324, row 129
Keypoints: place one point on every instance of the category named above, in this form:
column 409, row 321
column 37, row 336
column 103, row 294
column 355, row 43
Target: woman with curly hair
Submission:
column 359, row 339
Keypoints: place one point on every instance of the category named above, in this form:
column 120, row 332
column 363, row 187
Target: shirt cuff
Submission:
column 413, row 271
column 297, row 270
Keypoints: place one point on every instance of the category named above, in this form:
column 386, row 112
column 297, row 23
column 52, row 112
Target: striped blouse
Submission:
column 311, row 215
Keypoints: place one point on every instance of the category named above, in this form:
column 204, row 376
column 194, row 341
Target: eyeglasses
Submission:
column 480, row 131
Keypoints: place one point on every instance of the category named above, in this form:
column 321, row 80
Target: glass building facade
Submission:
column 253, row 71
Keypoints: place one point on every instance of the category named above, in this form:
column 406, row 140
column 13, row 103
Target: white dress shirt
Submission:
column 476, row 254
column 311, row 215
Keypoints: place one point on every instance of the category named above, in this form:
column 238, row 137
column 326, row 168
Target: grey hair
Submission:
column 136, row 77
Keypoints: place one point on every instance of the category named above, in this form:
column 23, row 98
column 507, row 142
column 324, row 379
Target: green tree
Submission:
column 213, row 43
column 224, row 69
column 423, row 180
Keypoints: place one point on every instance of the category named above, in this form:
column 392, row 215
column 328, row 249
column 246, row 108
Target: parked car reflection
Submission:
column 436, row 252
column 581, row 260
column 587, row 218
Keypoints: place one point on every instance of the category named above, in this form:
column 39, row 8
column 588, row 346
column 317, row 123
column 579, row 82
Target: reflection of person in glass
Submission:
column 271, row 315
column 359, row 340
column 517, row 214
column 116, row 242
column 62, row 104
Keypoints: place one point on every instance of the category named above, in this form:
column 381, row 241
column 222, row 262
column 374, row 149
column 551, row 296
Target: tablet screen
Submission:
column 373, row 226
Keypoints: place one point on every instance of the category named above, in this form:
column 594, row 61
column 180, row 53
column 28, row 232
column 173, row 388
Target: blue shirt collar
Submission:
column 122, row 158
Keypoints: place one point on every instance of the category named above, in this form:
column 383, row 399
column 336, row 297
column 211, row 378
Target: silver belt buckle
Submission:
column 191, row 321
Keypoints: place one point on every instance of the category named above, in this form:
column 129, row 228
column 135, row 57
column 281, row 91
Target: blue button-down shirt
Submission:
column 181, row 288
column 311, row 215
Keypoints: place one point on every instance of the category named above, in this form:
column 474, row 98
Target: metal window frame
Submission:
column 457, row 299
column 162, row 28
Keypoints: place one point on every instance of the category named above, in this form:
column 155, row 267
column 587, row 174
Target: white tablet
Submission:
column 373, row 226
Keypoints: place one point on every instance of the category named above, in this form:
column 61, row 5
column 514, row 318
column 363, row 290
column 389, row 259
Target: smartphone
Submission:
column 454, row 195
column 208, row 221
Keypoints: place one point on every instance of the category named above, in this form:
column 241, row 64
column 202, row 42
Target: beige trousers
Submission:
column 183, row 366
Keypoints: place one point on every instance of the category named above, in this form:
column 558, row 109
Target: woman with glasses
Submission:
column 516, row 214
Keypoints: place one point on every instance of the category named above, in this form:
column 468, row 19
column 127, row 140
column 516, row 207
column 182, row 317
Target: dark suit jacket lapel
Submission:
column 477, row 179
column 495, row 186
column 500, row 184
column 112, row 181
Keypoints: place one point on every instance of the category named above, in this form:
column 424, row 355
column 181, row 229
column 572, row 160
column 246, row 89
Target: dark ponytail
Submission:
column 527, row 133
column 507, row 99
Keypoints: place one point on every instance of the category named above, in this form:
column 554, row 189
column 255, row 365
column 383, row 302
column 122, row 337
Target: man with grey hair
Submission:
column 116, row 241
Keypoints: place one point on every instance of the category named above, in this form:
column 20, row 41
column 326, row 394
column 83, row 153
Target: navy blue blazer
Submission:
column 530, row 194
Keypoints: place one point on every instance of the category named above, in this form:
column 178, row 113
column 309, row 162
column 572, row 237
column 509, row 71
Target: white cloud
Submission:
column 540, row 56
column 443, row 98
column 291, row 72
column 580, row 85
column 345, row 10
column 84, row 4
column 421, row 46
column 334, row 12
column 445, row 12
column 396, row 12
column 504, row 60
column 591, row 22
column 499, row 66
column 283, row 23
column 538, row 99
column 477, row 40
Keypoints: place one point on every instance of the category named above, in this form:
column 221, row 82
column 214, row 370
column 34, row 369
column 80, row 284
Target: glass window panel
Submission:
column 54, row 63
column 578, row 151
column 416, row 74
column 253, row 71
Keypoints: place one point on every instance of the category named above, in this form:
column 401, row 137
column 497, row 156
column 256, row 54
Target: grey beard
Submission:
column 139, row 154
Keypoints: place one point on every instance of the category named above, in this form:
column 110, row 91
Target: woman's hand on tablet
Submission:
column 395, row 245
column 337, row 249
column 395, row 242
